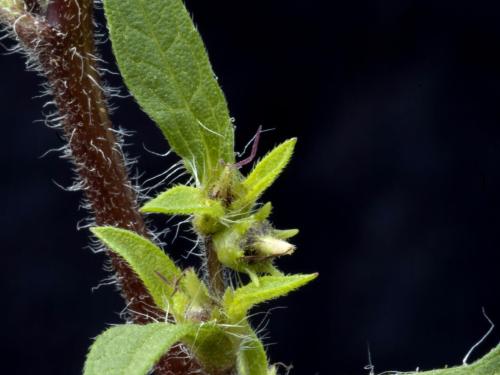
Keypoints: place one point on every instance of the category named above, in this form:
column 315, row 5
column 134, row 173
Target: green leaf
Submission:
column 133, row 349
column 195, row 289
column 252, row 358
column 263, row 212
column 183, row 200
column 285, row 234
column 164, row 64
column 194, row 303
column 267, row 171
column 145, row 258
column 238, row 302
column 488, row 365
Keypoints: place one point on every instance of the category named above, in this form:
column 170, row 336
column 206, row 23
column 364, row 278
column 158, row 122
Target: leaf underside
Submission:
column 164, row 64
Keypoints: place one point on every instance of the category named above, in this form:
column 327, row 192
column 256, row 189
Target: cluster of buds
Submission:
column 251, row 245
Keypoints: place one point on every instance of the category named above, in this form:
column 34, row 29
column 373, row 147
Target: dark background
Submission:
column 395, row 184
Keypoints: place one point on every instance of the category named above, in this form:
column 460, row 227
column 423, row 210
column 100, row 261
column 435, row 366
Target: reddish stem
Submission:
column 63, row 42
column 65, row 50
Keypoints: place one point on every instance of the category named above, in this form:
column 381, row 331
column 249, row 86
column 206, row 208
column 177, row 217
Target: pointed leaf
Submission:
column 267, row 171
column 263, row 212
column 146, row 259
column 252, row 358
column 164, row 64
column 238, row 302
column 194, row 303
column 285, row 234
column 133, row 349
column 183, row 200
column 195, row 289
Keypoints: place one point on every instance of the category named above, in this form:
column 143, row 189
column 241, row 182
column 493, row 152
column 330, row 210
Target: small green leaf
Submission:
column 488, row 365
column 183, row 200
column 263, row 212
column 266, row 171
column 164, row 64
column 133, row 349
column 285, row 234
column 238, row 302
column 252, row 358
column 194, row 303
column 195, row 289
column 145, row 258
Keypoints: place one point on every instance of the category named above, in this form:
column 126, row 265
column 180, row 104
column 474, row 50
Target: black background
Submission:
column 395, row 184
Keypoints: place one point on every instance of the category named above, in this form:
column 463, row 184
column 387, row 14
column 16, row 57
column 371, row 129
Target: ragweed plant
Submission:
column 164, row 64
column 202, row 316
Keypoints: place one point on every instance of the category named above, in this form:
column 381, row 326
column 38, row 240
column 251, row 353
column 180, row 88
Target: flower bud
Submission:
column 269, row 246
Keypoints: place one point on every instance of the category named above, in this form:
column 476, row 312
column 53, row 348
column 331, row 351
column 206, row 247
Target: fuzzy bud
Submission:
column 272, row 247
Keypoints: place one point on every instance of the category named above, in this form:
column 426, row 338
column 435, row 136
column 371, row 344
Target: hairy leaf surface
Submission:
column 164, row 64
column 133, row 349
column 267, row 171
column 238, row 302
column 145, row 258
column 183, row 200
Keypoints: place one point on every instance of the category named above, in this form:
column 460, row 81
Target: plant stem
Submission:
column 64, row 47
column 215, row 270
column 62, row 44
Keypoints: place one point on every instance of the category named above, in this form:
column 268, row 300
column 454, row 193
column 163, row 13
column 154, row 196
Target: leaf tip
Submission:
column 307, row 278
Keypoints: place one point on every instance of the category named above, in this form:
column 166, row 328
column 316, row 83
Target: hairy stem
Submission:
column 215, row 270
column 64, row 46
column 61, row 43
